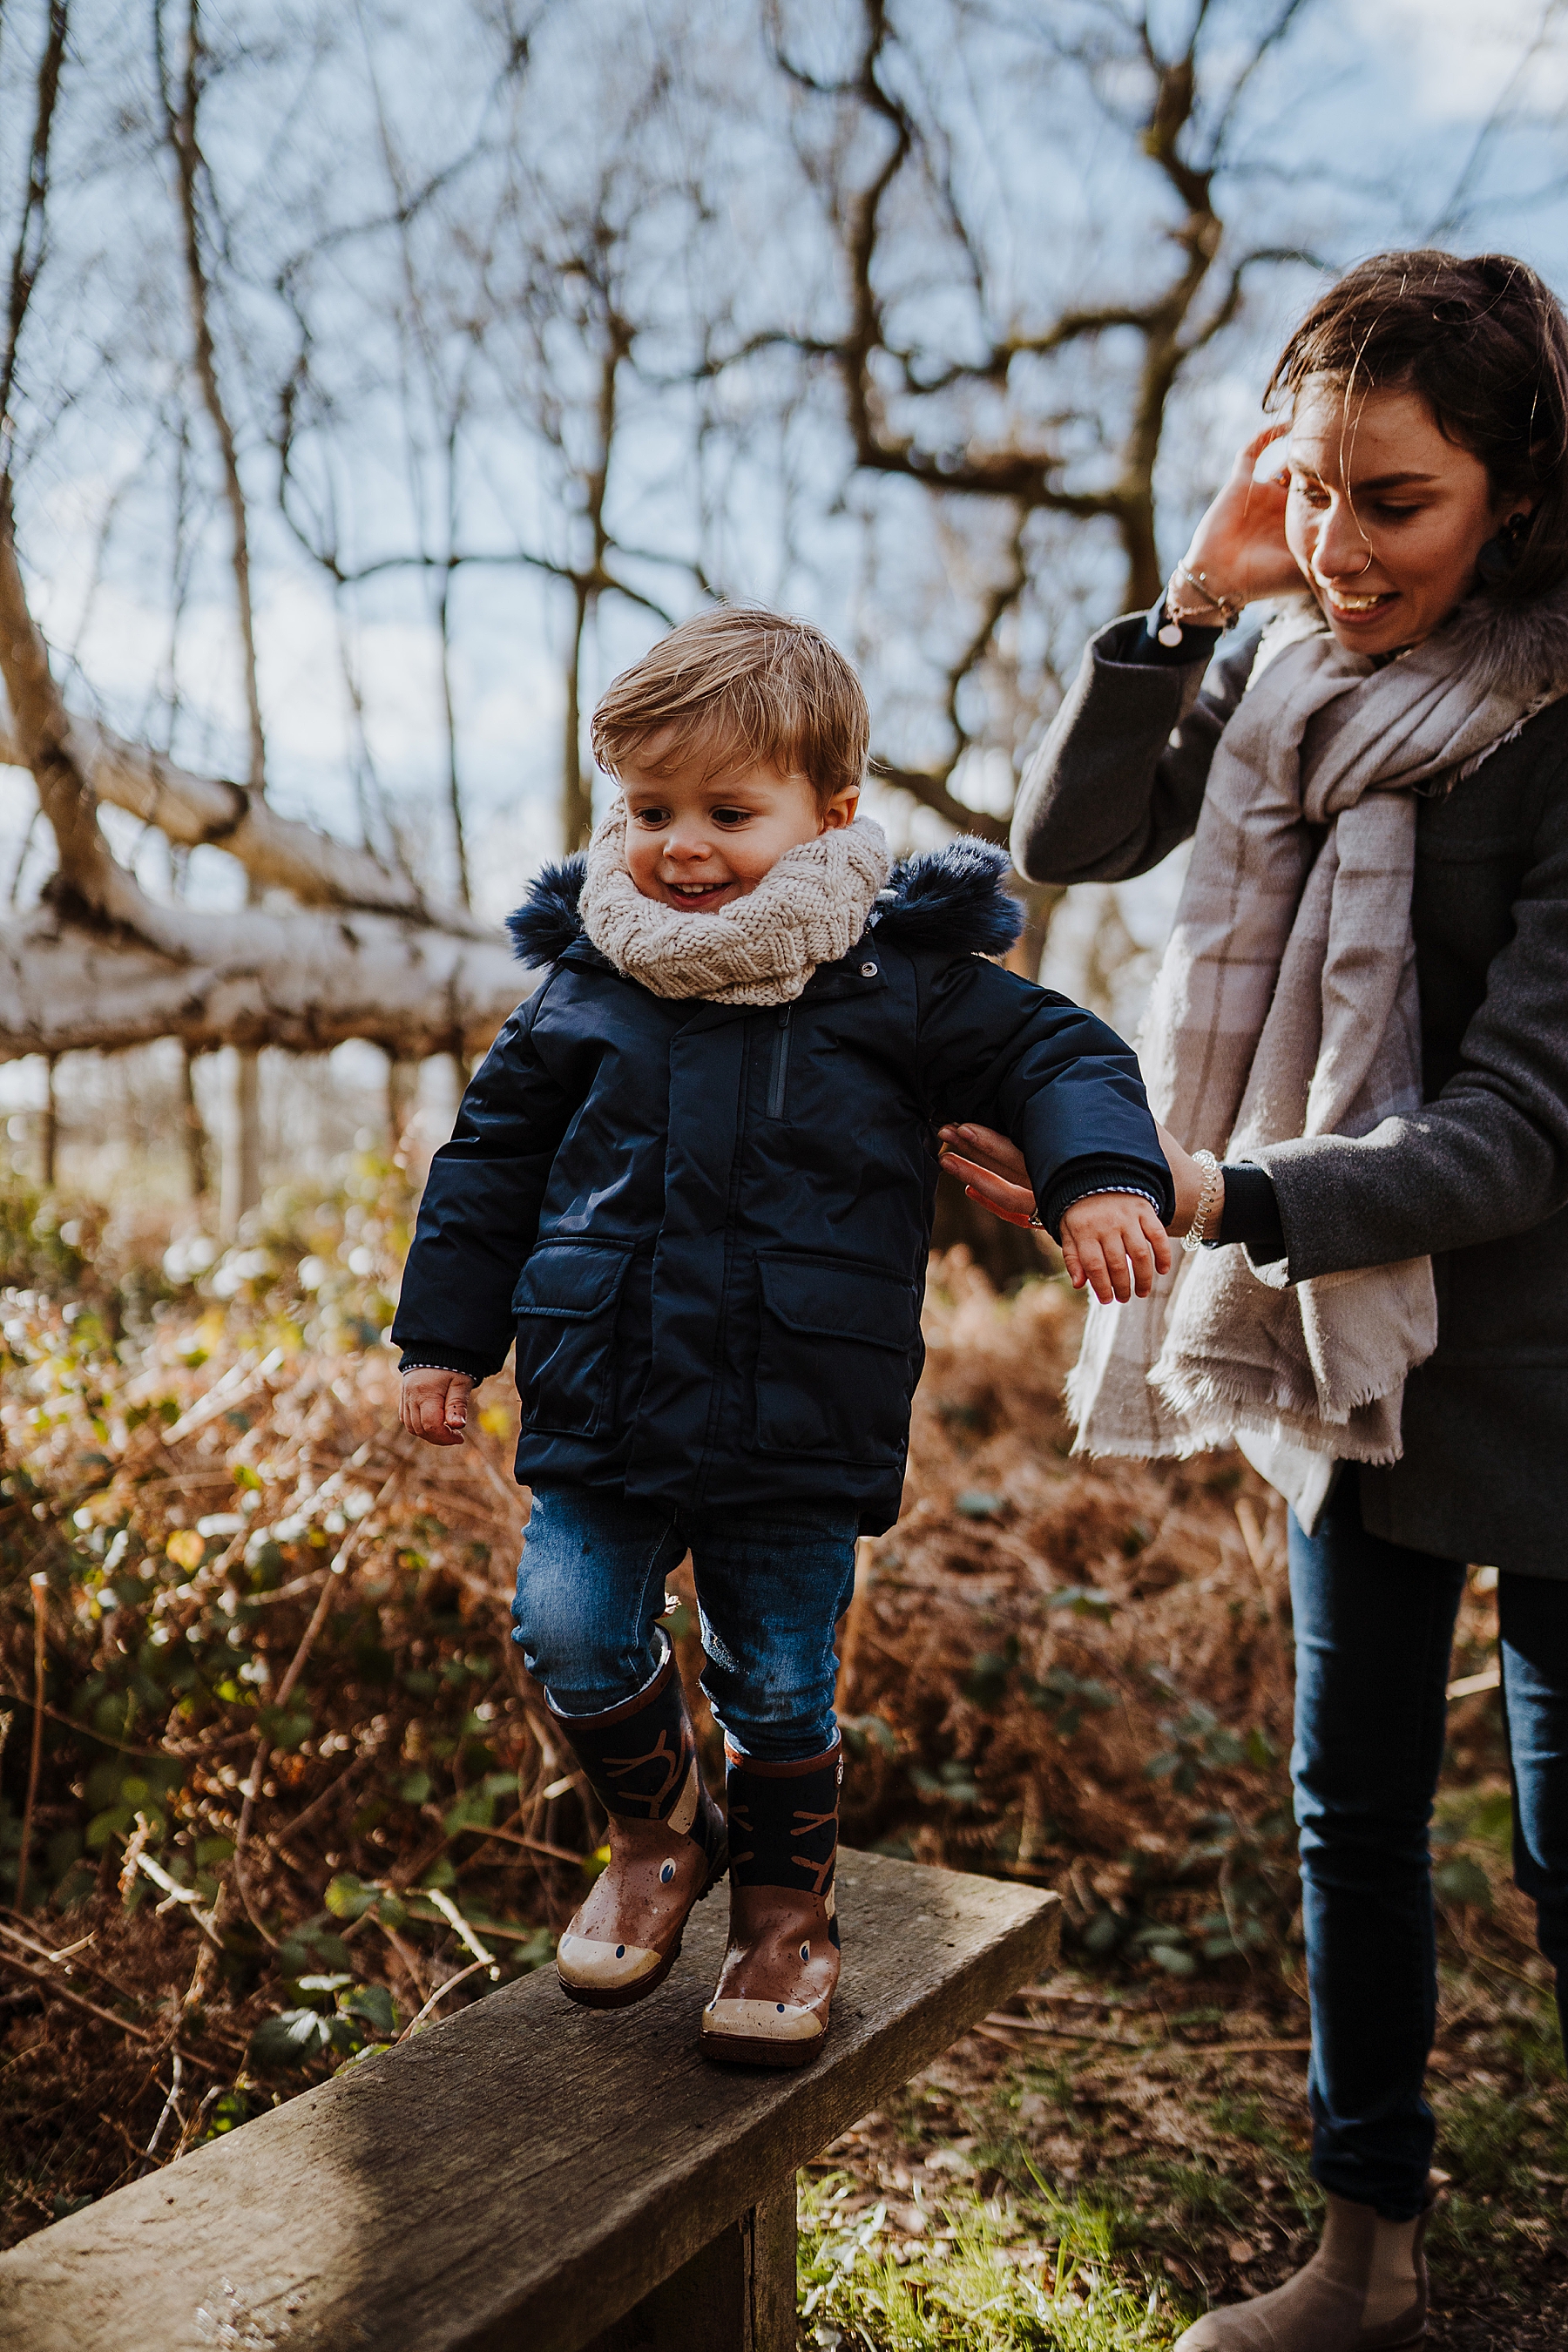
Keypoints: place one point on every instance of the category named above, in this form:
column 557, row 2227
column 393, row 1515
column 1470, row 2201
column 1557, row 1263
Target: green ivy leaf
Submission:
column 291, row 2038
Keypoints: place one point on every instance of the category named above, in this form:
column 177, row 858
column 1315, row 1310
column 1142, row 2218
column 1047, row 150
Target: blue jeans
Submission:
column 770, row 1589
column 1374, row 1624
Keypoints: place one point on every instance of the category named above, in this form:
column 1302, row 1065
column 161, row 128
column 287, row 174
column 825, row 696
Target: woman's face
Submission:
column 1385, row 516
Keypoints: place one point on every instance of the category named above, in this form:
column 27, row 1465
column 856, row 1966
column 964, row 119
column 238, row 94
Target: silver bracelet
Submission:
column 1214, row 1184
column 1173, row 628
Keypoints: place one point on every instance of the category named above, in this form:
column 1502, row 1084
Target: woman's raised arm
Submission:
column 1118, row 780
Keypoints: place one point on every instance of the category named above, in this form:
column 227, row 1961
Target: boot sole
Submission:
column 628, row 1996
column 735, row 2049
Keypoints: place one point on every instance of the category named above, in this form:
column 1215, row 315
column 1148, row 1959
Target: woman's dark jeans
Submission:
column 1374, row 1623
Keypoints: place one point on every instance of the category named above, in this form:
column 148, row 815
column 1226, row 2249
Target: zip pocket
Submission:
column 777, row 1083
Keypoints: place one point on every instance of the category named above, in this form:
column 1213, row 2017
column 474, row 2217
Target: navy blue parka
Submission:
column 706, row 1225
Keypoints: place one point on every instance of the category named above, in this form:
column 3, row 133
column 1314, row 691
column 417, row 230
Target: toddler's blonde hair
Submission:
column 737, row 687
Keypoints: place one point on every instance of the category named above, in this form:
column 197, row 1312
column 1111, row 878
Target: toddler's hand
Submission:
column 1188, row 1178
column 1115, row 1243
column 435, row 1405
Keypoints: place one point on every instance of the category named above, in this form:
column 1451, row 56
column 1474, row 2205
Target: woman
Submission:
column 1364, row 1006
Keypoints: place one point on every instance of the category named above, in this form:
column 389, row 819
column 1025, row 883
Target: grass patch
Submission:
column 997, row 2274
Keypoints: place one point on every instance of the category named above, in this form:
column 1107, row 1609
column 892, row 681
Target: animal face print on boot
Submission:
column 774, row 1992
column 667, row 1843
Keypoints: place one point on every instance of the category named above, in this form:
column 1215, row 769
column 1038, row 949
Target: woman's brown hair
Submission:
column 1485, row 344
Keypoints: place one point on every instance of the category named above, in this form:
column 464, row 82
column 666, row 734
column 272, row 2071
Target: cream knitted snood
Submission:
column 810, row 908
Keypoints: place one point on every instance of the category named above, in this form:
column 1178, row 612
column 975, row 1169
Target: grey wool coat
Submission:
column 1479, row 1177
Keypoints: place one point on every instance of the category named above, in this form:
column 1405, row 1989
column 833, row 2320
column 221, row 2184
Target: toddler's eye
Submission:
column 730, row 818
column 650, row 817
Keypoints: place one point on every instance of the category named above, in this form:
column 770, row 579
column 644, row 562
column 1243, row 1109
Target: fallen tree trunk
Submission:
column 100, row 963
column 305, row 982
column 277, row 852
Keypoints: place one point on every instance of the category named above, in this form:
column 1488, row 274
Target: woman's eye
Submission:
column 1394, row 514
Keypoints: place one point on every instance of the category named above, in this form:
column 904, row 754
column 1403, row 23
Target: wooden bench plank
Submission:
column 526, row 2158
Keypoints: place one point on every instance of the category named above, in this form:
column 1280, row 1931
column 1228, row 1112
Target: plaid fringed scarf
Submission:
column 1285, row 1005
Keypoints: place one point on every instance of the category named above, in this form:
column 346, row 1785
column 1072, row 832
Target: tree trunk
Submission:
column 576, row 790
column 276, row 852
column 1039, row 901
column 240, row 1139
column 194, row 1133
column 48, row 1129
column 305, row 982
column 402, row 1094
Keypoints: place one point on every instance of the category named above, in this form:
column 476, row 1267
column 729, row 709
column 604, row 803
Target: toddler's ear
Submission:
column 840, row 809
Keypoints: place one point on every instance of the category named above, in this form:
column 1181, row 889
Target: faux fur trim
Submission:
column 1517, row 650
column 952, row 900
column 547, row 923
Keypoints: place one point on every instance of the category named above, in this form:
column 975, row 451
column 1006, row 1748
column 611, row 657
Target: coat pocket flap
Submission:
column 834, row 1301
column 569, row 1281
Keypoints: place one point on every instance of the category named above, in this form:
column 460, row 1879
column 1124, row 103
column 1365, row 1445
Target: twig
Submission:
column 126, row 1746
column 285, row 1690
column 64, row 1956
column 173, row 1891
column 171, row 2107
column 534, row 1846
column 77, row 1999
column 284, row 1836
column 449, row 1910
column 440, row 1994
column 1468, row 1685
column 238, row 1382
column 40, row 1585
column 404, row 1953
column 1066, row 2032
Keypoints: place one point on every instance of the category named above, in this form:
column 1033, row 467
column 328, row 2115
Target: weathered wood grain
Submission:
column 736, row 2296
column 525, row 2173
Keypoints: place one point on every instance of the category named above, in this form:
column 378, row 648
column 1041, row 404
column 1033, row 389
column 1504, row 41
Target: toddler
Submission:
column 693, row 1183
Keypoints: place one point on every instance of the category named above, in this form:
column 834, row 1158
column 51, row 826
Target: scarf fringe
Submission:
column 1217, row 1387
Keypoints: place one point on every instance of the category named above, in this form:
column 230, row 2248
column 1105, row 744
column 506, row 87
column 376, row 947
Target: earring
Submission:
column 1498, row 558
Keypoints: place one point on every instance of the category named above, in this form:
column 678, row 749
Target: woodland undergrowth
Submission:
column 293, row 1797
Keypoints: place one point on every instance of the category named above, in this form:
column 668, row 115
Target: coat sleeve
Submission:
column 1057, row 1080
column 1487, row 1156
column 1120, row 778
column 479, row 1212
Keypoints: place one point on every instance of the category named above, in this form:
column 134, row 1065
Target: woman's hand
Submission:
column 1239, row 546
column 991, row 1170
column 434, row 1406
column 1116, row 1244
column 1188, row 1178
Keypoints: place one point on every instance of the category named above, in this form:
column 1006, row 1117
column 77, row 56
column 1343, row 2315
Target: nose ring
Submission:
column 1365, row 567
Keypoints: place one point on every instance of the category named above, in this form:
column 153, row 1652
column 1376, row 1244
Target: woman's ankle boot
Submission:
column 1364, row 2289
column 772, row 2004
column 667, row 1842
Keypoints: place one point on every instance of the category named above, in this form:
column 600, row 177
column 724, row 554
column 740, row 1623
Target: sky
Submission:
column 1384, row 125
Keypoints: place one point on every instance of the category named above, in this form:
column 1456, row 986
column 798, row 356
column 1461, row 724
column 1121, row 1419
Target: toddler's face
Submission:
column 698, row 841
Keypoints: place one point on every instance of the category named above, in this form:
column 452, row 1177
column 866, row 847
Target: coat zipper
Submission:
column 780, row 1064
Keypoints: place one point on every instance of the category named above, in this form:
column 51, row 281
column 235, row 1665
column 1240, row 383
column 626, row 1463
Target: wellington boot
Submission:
column 667, row 1843
column 1364, row 2289
column 771, row 2008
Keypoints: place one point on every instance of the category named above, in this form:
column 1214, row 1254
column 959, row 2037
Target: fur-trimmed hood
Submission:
column 953, row 900
column 1517, row 650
